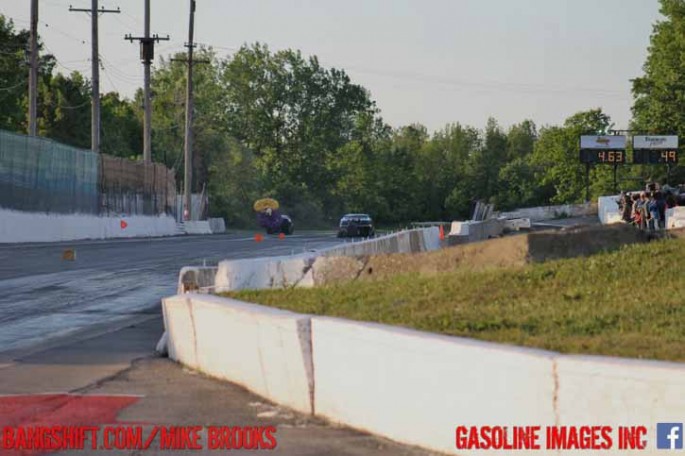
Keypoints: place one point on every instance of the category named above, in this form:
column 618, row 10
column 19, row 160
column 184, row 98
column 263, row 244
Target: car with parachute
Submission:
column 270, row 218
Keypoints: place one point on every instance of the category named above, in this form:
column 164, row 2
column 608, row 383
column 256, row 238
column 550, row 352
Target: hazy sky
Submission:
column 426, row 61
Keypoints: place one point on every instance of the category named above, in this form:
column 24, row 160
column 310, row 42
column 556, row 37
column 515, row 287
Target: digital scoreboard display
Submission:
column 655, row 156
column 612, row 157
column 655, row 149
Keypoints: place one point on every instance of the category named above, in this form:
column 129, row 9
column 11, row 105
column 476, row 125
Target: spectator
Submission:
column 661, row 207
column 653, row 210
column 642, row 208
column 627, row 208
column 636, row 216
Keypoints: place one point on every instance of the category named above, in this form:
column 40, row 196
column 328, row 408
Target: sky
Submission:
column 431, row 62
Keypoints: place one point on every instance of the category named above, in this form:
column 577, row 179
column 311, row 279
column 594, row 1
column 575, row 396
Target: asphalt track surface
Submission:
column 44, row 298
column 75, row 333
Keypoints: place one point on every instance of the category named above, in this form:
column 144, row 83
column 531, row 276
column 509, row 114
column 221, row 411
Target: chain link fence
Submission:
column 41, row 175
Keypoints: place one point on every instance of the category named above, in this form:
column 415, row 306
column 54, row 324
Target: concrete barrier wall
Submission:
column 17, row 226
column 415, row 387
column 300, row 270
column 410, row 386
column 618, row 391
column 608, row 210
column 217, row 225
column 197, row 227
column 266, row 350
column 474, row 231
column 675, row 218
column 551, row 212
column 196, row 278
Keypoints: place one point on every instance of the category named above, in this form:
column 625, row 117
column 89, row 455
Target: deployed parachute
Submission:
column 265, row 203
column 269, row 217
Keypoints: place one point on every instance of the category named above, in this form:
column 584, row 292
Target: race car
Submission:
column 356, row 225
column 270, row 218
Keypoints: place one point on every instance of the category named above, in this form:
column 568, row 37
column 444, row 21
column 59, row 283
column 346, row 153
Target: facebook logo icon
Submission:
column 669, row 436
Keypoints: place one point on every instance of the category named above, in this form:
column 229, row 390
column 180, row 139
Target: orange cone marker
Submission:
column 442, row 233
column 258, row 237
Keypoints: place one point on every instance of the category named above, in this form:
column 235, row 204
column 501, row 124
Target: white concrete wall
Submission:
column 197, row 227
column 472, row 230
column 619, row 391
column 550, row 212
column 608, row 210
column 298, row 270
column 263, row 273
column 415, row 387
column 266, row 350
column 410, row 386
column 217, row 225
column 675, row 217
column 17, row 226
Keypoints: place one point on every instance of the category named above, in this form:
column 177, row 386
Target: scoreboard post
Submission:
column 601, row 150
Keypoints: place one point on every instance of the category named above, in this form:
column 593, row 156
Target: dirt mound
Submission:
column 502, row 252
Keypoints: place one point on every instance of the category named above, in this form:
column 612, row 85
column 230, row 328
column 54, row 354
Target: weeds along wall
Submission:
column 41, row 175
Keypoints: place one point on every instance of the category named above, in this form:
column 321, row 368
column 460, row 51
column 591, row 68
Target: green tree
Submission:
column 65, row 110
column 556, row 159
column 121, row 128
column 295, row 115
column 14, row 75
column 517, row 184
column 168, row 115
column 659, row 95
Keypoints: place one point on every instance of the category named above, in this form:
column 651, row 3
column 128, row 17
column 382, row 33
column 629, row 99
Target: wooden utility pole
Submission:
column 188, row 145
column 147, row 55
column 33, row 70
column 95, row 71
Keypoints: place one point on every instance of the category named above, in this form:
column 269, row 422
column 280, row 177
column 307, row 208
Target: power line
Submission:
column 94, row 12
column 7, row 89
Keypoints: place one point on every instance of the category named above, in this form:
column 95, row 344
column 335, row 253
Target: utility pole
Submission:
column 188, row 146
column 147, row 55
column 33, row 70
column 95, row 65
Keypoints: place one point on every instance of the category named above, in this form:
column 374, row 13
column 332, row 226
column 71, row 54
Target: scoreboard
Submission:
column 611, row 150
column 651, row 157
column 613, row 157
column 603, row 149
column 652, row 149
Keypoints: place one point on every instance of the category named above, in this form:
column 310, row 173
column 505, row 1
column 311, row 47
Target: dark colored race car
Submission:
column 274, row 222
column 356, row 225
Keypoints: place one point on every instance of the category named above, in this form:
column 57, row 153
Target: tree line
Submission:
column 279, row 124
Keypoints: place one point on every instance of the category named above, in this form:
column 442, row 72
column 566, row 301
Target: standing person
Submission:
column 661, row 209
column 642, row 208
column 627, row 208
column 653, row 209
column 635, row 214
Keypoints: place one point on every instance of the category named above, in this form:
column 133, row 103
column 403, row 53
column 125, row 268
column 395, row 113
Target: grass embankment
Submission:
column 630, row 303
